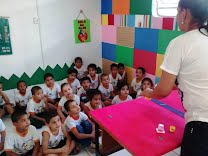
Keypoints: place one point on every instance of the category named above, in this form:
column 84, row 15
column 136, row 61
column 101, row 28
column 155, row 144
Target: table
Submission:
column 133, row 125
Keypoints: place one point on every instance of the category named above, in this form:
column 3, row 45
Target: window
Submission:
column 165, row 8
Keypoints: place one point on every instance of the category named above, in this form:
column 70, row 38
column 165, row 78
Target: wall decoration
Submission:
column 5, row 42
column 82, row 29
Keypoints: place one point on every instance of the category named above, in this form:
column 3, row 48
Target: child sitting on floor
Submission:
column 68, row 95
column 38, row 107
column 94, row 77
column 72, row 80
column 5, row 105
column 114, row 76
column 23, row 138
column 2, row 136
column 82, row 71
column 106, row 89
column 136, row 82
column 123, row 95
column 95, row 102
column 86, row 83
column 51, row 89
column 23, row 96
column 78, row 124
column 122, row 72
column 55, row 138
column 146, row 83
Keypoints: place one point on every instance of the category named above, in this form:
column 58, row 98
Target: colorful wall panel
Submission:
column 131, row 35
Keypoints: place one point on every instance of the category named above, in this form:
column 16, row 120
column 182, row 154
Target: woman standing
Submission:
column 186, row 59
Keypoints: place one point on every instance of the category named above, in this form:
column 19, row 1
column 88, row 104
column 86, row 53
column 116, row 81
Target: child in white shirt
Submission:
column 78, row 123
column 23, row 138
column 95, row 102
column 55, row 138
column 94, row 77
column 114, row 76
column 146, row 83
column 86, row 83
column 51, row 89
column 38, row 107
column 106, row 89
column 5, row 105
column 22, row 96
column 82, row 71
column 123, row 95
column 122, row 72
column 72, row 80
column 68, row 95
column 136, row 82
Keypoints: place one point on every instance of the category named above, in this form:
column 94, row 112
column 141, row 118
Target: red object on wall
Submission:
column 145, row 59
column 110, row 19
column 168, row 23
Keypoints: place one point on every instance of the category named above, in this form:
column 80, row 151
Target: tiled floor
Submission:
column 86, row 152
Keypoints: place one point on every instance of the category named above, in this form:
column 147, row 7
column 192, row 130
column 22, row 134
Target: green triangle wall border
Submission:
column 37, row 77
column 58, row 72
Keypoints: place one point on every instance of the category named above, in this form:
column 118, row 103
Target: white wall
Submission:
column 56, row 34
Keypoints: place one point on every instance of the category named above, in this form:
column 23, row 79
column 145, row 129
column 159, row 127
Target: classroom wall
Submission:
column 131, row 35
column 47, row 46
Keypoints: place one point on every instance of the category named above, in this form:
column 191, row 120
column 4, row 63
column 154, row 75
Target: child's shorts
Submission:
column 61, row 144
column 29, row 153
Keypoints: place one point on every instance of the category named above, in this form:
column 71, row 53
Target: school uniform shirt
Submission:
column 113, row 81
column 1, row 100
column 186, row 58
column 117, row 100
column 2, row 128
column 54, row 140
column 35, row 108
column 23, row 99
column 136, row 86
column 81, row 71
column 64, row 99
column 95, row 82
column 123, row 75
column 82, row 94
column 90, row 107
column 21, row 144
column 71, row 123
column 52, row 93
column 105, row 91
column 75, row 85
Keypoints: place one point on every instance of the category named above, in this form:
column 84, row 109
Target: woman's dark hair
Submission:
column 199, row 12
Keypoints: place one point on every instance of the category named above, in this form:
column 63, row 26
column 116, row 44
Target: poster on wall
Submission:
column 82, row 31
column 5, row 42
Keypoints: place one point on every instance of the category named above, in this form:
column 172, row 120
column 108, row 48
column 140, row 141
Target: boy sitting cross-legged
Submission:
column 23, row 139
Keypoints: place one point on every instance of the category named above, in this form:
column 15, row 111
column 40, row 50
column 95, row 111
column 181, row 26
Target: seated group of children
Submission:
column 65, row 109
